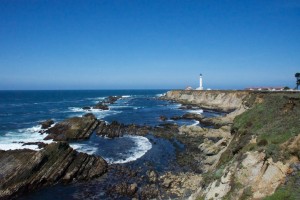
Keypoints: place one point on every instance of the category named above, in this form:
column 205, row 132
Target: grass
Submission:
column 273, row 122
column 288, row 191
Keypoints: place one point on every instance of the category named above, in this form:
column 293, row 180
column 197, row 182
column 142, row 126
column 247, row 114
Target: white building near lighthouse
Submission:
column 200, row 83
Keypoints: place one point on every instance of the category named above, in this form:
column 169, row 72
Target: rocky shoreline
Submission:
column 23, row 171
column 214, row 159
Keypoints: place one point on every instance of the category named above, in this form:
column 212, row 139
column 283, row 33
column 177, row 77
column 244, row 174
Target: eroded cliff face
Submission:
column 257, row 156
column 213, row 99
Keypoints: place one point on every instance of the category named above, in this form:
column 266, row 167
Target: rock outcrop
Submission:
column 256, row 176
column 26, row 170
column 116, row 129
column 46, row 124
column 74, row 128
column 103, row 105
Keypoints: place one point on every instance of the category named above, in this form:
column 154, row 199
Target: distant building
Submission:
column 189, row 88
column 265, row 88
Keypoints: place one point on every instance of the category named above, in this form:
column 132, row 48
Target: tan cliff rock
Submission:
column 260, row 175
column 212, row 99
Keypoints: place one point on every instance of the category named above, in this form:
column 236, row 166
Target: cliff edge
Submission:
column 257, row 156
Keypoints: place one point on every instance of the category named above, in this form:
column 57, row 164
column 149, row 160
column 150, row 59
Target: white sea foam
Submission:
column 142, row 146
column 126, row 96
column 86, row 148
column 98, row 112
column 96, row 98
column 120, row 107
column 15, row 139
column 160, row 95
column 200, row 111
column 173, row 106
column 196, row 123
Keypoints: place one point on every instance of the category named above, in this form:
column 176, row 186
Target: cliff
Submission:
column 213, row 99
column 257, row 154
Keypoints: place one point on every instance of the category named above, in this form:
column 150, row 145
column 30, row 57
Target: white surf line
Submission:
column 15, row 139
column 143, row 146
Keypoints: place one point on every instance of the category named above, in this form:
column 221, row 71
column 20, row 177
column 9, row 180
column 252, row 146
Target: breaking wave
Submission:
column 15, row 139
column 113, row 151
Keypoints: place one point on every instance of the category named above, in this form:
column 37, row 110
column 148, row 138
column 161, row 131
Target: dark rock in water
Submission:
column 101, row 106
column 39, row 144
column 86, row 108
column 186, row 107
column 112, row 99
column 192, row 116
column 137, row 130
column 111, row 130
column 46, row 124
column 74, row 128
column 176, row 118
column 163, row 118
column 115, row 129
column 167, row 126
column 26, row 170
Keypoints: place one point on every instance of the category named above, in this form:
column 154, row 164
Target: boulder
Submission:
column 110, row 130
column 74, row 128
column 46, row 124
column 152, row 176
column 27, row 170
column 176, row 118
column 112, row 99
column 86, row 108
column 194, row 116
column 101, row 106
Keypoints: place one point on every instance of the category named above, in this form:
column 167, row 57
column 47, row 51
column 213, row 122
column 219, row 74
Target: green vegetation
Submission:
column 288, row 191
column 273, row 121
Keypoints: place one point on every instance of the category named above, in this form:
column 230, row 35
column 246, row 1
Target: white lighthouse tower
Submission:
column 200, row 85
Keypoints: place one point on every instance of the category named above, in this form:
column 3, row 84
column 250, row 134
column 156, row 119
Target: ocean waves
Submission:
column 100, row 114
column 16, row 139
column 118, row 150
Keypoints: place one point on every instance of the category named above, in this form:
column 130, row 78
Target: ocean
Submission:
column 22, row 111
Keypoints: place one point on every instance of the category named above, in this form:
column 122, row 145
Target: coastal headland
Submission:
column 250, row 150
column 258, row 156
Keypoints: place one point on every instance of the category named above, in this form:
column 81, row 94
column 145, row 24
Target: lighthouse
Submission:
column 200, row 83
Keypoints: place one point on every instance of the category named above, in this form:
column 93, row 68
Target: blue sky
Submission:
column 118, row 44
